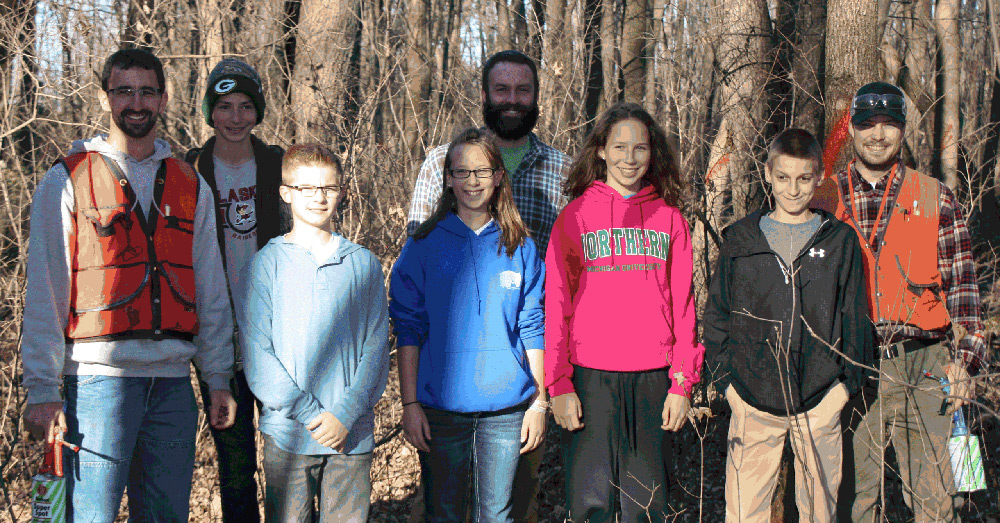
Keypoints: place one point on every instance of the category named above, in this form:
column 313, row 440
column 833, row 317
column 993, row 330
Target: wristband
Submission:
column 540, row 406
column 410, row 402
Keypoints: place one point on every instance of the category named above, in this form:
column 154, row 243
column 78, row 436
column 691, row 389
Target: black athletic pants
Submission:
column 615, row 462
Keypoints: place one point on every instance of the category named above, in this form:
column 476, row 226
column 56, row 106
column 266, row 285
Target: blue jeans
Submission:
column 134, row 432
column 339, row 485
column 237, row 455
column 485, row 443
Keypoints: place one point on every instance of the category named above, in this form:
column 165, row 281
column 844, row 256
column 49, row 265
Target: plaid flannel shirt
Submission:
column 955, row 263
column 537, row 186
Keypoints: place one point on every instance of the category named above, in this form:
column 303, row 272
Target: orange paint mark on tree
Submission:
column 835, row 143
column 718, row 165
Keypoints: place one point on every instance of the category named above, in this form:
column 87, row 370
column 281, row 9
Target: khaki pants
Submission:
column 756, row 441
column 903, row 415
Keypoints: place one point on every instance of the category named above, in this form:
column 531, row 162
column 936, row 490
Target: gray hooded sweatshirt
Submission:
column 47, row 356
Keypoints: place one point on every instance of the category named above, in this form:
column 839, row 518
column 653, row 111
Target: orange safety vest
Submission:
column 904, row 283
column 132, row 275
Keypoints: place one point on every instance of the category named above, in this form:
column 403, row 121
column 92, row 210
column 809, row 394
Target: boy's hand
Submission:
column 43, row 420
column 221, row 409
column 961, row 385
column 415, row 426
column 568, row 411
column 328, row 431
column 532, row 430
column 675, row 412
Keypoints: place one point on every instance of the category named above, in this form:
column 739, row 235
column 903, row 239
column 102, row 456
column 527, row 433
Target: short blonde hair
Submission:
column 309, row 154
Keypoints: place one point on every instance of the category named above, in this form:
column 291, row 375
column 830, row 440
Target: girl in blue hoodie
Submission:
column 466, row 303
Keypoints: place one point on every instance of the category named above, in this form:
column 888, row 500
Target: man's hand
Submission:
column 675, row 412
column 43, row 420
column 415, row 427
column 532, row 430
column 961, row 385
column 328, row 431
column 221, row 409
column 568, row 411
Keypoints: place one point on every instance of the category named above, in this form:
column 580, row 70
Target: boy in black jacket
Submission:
column 786, row 328
column 244, row 174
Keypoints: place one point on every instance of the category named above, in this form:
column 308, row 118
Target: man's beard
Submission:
column 880, row 167
column 509, row 127
column 135, row 130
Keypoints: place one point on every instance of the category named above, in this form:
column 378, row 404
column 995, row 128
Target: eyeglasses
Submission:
column 482, row 174
column 893, row 102
column 330, row 191
column 146, row 93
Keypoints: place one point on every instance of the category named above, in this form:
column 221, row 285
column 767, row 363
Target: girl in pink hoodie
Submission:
column 621, row 353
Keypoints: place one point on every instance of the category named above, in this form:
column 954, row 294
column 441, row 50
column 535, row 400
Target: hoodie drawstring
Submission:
column 475, row 273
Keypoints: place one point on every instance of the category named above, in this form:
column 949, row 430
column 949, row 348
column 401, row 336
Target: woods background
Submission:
column 384, row 80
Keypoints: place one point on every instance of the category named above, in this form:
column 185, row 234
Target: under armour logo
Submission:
column 814, row 253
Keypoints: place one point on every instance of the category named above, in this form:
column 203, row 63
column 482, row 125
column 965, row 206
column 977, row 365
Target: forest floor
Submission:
column 696, row 461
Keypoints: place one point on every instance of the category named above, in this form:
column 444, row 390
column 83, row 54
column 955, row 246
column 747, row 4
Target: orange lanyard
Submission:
column 881, row 208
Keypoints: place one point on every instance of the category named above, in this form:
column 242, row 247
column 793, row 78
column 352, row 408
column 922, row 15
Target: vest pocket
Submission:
column 180, row 281
column 108, row 287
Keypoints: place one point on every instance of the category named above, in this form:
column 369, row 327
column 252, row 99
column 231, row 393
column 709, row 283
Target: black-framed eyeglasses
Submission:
column 146, row 93
column 482, row 174
column 330, row 191
column 893, row 102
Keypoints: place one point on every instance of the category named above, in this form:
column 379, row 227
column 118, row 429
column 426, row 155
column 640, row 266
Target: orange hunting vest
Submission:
column 132, row 275
column 904, row 283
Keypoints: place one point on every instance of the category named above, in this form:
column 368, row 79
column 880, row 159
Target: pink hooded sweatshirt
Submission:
column 618, row 293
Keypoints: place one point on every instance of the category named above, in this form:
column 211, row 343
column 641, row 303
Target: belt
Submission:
column 903, row 347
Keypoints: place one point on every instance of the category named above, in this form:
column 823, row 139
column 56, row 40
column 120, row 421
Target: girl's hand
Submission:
column 415, row 426
column 532, row 430
column 675, row 412
column 568, row 411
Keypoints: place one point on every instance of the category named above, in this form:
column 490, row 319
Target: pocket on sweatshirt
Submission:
column 483, row 380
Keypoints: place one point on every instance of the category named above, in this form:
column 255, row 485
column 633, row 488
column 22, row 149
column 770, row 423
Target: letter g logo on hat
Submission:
column 224, row 86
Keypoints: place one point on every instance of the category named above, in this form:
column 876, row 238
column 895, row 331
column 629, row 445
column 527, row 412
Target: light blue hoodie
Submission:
column 473, row 313
column 315, row 338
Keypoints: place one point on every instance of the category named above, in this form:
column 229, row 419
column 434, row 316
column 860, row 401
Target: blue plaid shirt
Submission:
column 537, row 185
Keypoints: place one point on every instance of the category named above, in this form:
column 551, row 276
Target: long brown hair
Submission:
column 663, row 173
column 502, row 208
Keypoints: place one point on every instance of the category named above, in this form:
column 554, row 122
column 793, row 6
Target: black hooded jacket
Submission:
column 768, row 327
column 272, row 220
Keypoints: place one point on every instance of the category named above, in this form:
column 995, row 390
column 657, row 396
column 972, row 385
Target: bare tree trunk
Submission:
column 852, row 43
column 742, row 28
column 324, row 37
column 946, row 22
column 609, row 53
column 595, row 53
column 635, row 44
column 418, row 82
column 557, row 73
column 506, row 35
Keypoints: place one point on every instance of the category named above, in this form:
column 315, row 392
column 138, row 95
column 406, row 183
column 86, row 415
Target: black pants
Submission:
column 615, row 462
column 237, row 456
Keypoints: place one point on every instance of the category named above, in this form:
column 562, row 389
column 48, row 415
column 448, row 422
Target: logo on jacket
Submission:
column 632, row 241
column 510, row 280
column 813, row 252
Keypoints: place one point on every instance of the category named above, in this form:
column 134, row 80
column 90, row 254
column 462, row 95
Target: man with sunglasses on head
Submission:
column 124, row 290
column 924, row 302
column 244, row 174
column 537, row 171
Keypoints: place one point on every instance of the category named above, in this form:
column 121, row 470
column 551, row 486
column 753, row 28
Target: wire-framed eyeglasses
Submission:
column 482, row 174
column 330, row 191
column 146, row 93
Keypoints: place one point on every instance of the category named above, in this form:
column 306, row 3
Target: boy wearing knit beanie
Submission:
column 244, row 174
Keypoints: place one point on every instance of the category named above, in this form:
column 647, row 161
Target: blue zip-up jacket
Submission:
column 473, row 313
column 315, row 338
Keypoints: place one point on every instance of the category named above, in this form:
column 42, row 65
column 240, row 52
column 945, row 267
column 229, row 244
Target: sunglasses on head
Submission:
column 892, row 102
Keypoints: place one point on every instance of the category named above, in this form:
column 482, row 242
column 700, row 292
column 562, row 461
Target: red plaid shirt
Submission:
column 955, row 263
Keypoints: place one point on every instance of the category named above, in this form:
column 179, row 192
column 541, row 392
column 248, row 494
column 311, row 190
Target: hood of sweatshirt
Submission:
column 140, row 173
